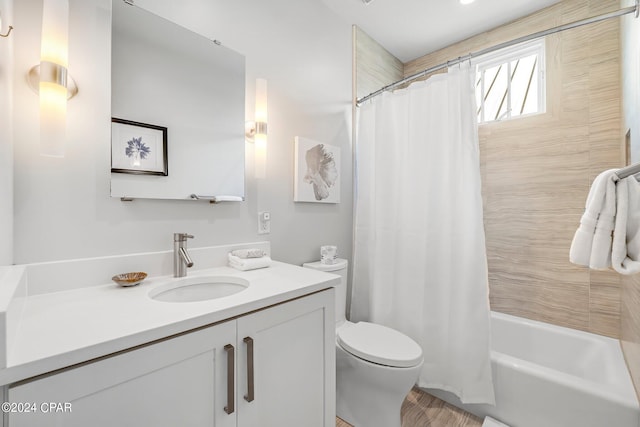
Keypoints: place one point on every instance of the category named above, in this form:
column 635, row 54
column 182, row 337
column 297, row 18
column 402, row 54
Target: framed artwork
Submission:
column 317, row 172
column 138, row 148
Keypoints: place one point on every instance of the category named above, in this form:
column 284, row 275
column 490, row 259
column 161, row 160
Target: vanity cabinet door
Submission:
column 181, row 381
column 293, row 364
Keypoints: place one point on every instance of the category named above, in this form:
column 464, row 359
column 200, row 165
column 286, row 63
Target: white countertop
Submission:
column 60, row 329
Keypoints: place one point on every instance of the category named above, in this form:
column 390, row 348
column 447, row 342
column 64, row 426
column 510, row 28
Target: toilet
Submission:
column 376, row 366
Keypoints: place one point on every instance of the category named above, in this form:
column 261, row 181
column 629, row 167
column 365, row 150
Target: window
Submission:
column 510, row 82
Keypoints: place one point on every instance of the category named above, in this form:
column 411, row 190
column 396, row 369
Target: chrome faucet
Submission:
column 181, row 259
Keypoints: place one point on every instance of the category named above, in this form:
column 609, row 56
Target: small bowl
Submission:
column 129, row 279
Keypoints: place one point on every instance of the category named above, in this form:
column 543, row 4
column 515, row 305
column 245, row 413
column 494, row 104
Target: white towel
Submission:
column 582, row 246
column 602, row 238
column 248, row 263
column 625, row 257
column 248, row 253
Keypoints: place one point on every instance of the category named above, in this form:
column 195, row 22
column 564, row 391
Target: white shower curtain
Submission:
column 419, row 259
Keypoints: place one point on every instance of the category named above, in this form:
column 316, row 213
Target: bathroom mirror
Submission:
column 178, row 100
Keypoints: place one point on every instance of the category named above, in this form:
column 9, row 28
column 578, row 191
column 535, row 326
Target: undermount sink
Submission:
column 192, row 289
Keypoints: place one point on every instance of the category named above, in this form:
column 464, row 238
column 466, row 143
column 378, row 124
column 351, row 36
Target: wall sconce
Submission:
column 50, row 78
column 256, row 131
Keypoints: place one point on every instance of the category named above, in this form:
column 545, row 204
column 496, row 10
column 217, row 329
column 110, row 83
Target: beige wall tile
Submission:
column 630, row 326
column 375, row 66
column 536, row 171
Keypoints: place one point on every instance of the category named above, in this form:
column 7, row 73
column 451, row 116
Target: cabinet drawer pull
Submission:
column 231, row 392
column 250, row 386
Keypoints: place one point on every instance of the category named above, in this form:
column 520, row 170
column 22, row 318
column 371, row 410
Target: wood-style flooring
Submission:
column 421, row 409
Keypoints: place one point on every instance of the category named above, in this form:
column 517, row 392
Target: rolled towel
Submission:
column 248, row 263
column 602, row 237
column 582, row 244
column 248, row 253
column 626, row 234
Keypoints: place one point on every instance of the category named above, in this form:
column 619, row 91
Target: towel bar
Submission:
column 628, row 171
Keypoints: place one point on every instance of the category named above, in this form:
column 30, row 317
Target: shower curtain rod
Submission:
column 632, row 9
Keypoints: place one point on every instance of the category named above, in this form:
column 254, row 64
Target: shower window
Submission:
column 510, row 82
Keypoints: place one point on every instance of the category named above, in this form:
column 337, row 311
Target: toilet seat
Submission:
column 379, row 344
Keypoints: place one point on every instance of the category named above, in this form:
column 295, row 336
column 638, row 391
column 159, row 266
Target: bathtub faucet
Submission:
column 181, row 259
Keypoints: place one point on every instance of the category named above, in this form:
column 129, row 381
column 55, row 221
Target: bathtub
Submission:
column 549, row 376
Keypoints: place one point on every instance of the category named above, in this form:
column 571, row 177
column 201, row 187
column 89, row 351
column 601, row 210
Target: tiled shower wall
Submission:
column 536, row 171
column 375, row 66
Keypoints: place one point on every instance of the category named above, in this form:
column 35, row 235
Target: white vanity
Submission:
column 83, row 352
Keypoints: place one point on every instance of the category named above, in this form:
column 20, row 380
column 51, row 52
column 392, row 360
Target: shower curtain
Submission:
column 419, row 255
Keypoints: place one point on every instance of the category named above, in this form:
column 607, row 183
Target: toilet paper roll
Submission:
column 328, row 254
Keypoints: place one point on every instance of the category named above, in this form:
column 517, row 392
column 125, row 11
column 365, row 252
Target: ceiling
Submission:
column 412, row 28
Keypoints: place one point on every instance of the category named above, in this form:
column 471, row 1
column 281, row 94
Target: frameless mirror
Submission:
column 177, row 102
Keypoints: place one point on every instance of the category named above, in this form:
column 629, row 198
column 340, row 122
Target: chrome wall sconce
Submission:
column 50, row 79
column 255, row 128
column 256, row 131
column 52, row 73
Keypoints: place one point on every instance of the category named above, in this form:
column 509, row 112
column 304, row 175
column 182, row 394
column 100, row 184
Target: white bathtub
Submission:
column 550, row 376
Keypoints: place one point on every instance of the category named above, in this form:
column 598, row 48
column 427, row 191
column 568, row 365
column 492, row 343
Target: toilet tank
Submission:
column 339, row 267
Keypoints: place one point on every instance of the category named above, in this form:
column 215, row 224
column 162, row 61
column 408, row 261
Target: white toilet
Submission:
column 376, row 366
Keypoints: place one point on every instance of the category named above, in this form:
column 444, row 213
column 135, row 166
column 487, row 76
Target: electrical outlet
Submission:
column 264, row 223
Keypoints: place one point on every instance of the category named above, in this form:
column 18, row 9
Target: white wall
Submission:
column 629, row 33
column 62, row 206
column 6, row 136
